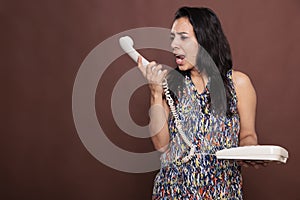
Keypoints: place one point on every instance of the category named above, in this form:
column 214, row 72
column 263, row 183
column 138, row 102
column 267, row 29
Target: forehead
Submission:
column 182, row 25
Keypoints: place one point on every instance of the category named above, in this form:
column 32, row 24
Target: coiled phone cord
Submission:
column 178, row 123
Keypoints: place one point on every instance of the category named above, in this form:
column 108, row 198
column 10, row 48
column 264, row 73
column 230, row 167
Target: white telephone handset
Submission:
column 126, row 44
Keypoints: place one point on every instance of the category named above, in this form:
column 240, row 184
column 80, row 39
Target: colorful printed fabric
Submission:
column 203, row 177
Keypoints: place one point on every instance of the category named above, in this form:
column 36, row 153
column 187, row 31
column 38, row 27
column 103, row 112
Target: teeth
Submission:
column 180, row 56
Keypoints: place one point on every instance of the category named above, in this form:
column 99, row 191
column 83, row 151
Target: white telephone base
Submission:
column 254, row 153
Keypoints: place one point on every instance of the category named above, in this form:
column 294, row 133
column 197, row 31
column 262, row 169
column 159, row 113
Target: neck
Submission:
column 196, row 75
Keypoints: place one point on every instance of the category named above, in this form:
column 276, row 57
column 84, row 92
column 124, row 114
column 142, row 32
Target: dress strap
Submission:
column 234, row 100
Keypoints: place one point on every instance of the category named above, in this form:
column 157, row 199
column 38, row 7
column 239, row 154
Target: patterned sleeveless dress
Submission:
column 203, row 177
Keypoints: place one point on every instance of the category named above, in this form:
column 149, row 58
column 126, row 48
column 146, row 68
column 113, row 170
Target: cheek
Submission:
column 195, row 48
column 191, row 52
column 191, row 47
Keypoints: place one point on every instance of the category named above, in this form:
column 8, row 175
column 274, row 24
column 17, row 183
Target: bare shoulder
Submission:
column 241, row 80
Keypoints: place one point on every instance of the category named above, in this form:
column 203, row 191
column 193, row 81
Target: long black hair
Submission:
column 214, row 56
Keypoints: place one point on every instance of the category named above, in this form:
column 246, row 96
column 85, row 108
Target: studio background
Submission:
column 43, row 44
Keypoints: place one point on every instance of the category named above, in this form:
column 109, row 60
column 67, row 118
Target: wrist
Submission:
column 156, row 97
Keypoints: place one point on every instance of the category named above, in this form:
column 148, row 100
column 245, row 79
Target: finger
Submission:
column 163, row 74
column 243, row 164
column 156, row 68
column 265, row 164
column 157, row 72
column 139, row 61
column 149, row 67
column 240, row 163
column 253, row 163
column 140, row 65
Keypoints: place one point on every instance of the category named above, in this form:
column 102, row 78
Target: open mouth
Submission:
column 179, row 59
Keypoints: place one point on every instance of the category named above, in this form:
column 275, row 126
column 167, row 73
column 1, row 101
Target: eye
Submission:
column 172, row 37
column 183, row 37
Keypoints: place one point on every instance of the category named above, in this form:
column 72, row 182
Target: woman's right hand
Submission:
column 154, row 74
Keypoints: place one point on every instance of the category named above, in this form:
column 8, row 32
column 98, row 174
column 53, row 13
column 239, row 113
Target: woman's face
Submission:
column 184, row 44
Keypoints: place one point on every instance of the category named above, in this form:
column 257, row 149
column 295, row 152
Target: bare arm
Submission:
column 246, row 106
column 159, row 110
column 159, row 131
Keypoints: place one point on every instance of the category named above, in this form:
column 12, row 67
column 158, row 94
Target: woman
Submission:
column 215, row 105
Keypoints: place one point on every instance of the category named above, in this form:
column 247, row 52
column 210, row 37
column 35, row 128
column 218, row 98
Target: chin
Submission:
column 184, row 67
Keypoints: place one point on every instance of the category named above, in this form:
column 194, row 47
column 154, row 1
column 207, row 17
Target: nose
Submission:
column 175, row 43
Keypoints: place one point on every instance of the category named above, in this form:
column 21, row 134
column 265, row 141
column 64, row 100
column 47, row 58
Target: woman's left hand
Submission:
column 253, row 163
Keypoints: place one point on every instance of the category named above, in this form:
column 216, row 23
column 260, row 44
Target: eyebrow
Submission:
column 179, row 33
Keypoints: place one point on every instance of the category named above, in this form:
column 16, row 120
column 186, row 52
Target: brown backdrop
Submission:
column 43, row 44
